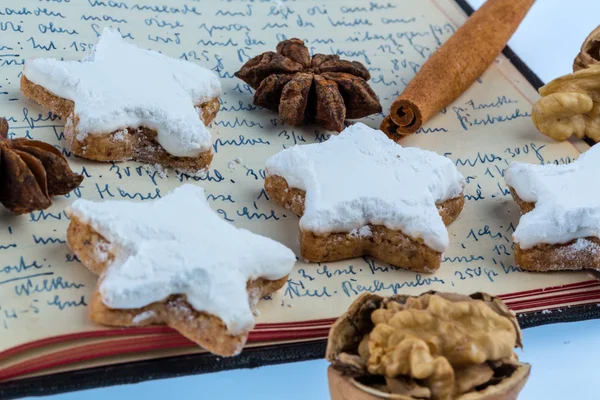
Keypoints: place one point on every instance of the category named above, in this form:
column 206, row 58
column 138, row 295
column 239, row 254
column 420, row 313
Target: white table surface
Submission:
column 563, row 356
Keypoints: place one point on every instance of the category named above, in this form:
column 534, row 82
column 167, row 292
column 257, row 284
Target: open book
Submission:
column 44, row 290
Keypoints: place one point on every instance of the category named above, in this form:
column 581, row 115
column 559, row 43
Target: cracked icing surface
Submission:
column 120, row 85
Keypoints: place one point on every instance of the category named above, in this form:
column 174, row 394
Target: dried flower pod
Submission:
column 437, row 346
column 324, row 89
column 590, row 51
column 570, row 105
column 31, row 172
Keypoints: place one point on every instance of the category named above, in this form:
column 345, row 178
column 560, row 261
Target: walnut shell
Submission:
column 376, row 326
column 346, row 388
column 570, row 105
column 590, row 51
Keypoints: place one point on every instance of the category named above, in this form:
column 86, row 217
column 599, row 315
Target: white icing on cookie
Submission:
column 178, row 245
column 364, row 232
column 120, row 85
column 361, row 177
column 143, row 316
column 566, row 197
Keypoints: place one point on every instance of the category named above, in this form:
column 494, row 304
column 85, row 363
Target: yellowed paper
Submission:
column 44, row 290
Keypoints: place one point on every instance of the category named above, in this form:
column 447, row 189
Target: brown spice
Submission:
column 324, row 89
column 31, row 172
column 453, row 68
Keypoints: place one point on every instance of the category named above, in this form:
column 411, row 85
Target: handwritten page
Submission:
column 44, row 290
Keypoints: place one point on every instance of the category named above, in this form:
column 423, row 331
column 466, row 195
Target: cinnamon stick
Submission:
column 455, row 65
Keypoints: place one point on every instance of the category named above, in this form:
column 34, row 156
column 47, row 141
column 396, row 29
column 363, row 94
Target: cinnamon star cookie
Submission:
column 122, row 102
column 174, row 261
column 361, row 193
column 560, row 226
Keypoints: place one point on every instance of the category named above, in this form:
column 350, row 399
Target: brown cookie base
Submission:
column 205, row 329
column 390, row 246
column 132, row 144
column 556, row 257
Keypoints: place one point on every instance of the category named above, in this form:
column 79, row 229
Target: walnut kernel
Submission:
column 437, row 346
column 570, row 105
column 429, row 342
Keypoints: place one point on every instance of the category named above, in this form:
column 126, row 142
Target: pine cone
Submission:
column 324, row 89
column 31, row 172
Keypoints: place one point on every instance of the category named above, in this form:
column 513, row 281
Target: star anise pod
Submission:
column 31, row 172
column 324, row 88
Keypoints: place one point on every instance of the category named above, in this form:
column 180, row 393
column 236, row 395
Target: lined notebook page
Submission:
column 44, row 290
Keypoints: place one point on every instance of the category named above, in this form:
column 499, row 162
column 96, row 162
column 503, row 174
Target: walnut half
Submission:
column 436, row 346
column 570, row 105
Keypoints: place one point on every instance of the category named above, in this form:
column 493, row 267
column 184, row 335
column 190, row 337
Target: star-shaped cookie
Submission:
column 560, row 228
column 175, row 261
column 360, row 193
column 123, row 102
